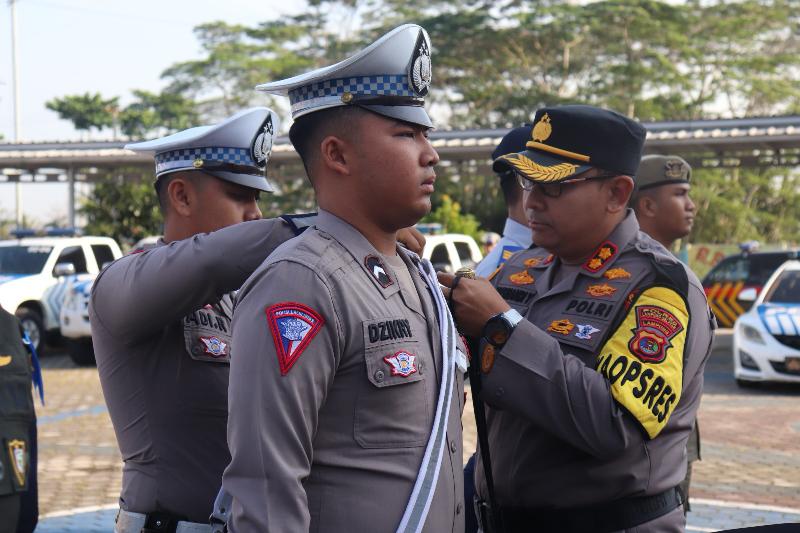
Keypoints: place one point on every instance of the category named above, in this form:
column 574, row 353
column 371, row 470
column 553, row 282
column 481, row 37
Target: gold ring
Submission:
column 465, row 272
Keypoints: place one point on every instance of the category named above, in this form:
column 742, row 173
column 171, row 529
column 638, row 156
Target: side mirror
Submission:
column 64, row 269
column 748, row 295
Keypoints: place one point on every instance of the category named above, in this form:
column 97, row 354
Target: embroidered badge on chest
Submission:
column 521, row 278
column 17, row 452
column 532, row 262
column 214, row 346
column 378, row 271
column 562, row 327
column 655, row 328
column 293, row 325
column 617, row 273
column 601, row 289
column 401, row 363
column 585, row 331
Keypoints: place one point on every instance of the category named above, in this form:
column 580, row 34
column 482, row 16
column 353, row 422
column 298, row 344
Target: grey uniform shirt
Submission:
column 563, row 393
column 329, row 416
column 161, row 327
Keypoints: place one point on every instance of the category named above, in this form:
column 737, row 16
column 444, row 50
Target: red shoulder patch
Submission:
column 293, row 325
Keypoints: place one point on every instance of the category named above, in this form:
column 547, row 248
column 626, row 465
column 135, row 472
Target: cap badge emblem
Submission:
column 674, row 169
column 262, row 144
column 347, row 97
column 542, row 129
column 421, row 66
column 198, row 163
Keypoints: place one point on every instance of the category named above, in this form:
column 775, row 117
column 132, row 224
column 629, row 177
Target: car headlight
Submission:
column 752, row 334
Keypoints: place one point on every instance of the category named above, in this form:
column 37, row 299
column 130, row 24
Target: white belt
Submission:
column 128, row 522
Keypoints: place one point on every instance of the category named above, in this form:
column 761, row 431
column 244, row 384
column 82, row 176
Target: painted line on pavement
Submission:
column 81, row 510
column 746, row 505
column 58, row 417
column 701, row 529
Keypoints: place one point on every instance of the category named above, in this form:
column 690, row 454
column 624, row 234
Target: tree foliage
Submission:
column 86, row 111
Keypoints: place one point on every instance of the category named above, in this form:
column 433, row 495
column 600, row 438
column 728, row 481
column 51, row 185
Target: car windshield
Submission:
column 23, row 259
column 786, row 288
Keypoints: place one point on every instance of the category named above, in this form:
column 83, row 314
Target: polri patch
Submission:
column 402, row 363
column 293, row 325
column 378, row 271
column 214, row 346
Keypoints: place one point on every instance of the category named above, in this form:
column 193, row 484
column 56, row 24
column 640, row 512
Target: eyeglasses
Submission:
column 554, row 190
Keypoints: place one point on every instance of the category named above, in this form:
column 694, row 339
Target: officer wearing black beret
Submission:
column 592, row 345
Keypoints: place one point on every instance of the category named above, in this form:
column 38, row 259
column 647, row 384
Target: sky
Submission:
column 106, row 46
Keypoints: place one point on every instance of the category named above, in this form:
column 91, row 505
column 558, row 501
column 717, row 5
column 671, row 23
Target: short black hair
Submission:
column 162, row 186
column 308, row 131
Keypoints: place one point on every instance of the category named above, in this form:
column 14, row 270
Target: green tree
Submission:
column 86, row 111
column 162, row 113
column 124, row 209
column 449, row 215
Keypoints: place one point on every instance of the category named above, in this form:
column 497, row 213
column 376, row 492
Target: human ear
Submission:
column 181, row 196
column 334, row 155
column 619, row 189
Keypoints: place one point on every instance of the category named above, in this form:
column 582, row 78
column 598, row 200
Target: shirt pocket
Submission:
column 392, row 409
column 206, row 334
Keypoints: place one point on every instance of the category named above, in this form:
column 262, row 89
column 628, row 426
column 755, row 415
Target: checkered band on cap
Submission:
column 184, row 158
column 331, row 91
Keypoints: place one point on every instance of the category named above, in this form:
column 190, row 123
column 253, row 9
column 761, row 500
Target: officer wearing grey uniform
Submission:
column 593, row 345
column 161, row 327
column 345, row 403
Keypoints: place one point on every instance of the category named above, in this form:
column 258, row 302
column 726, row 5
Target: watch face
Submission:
column 499, row 337
column 496, row 331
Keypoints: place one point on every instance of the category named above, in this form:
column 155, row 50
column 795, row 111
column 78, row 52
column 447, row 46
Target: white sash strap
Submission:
column 420, row 501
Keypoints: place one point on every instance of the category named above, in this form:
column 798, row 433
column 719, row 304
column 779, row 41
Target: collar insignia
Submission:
column 521, row 278
column 262, row 143
column 402, row 363
column 602, row 255
column 601, row 289
column 651, row 338
column 214, row 346
column 18, row 453
column 563, row 326
column 378, row 271
column 421, row 69
column 617, row 273
column 542, row 129
column 585, row 331
column 293, row 325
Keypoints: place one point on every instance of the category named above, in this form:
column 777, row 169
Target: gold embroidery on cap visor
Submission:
column 536, row 172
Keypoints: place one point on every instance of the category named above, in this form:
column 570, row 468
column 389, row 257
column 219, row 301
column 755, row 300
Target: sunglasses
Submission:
column 554, row 190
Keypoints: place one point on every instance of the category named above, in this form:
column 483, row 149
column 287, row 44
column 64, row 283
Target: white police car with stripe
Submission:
column 766, row 339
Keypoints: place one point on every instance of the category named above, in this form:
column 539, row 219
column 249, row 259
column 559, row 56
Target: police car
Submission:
column 766, row 339
column 35, row 273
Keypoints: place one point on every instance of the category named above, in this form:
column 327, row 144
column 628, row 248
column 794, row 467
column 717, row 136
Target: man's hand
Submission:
column 412, row 239
column 473, row 302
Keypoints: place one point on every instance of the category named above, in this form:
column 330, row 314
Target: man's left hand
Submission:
column 412, row 239
column 473, row 302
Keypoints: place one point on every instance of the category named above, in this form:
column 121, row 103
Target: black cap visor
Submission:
column 404, row 113
column 539, row 166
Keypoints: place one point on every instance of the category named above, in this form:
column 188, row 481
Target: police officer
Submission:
column 593, row 344
column 345, row 404
column 666, row 212
column 18, row 507
column 161, row 319
column 516, row 233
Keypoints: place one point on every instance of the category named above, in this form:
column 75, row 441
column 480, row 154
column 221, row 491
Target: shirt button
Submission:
column 453, row 447
column 379, row 375
column 459, row 508
column 500, row 392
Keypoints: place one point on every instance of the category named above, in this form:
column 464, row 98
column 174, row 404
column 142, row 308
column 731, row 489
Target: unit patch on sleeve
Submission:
column 293, row 325
column 643, row 359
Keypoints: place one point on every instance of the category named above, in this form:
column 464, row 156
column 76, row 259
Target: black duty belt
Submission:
column 613, row 516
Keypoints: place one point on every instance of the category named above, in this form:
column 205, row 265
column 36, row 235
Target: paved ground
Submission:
column 749, row 475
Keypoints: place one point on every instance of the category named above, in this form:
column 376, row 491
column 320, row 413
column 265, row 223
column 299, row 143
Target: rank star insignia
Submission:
column 293, row 325
column 214, row 346
column 378, row 271
column 601, row 256
column 562, row 327
column 617, row 273
column 585, row 331
column 17, row 452
column 401, row 363
column 655, row 328
column 521, row 278
column 602, row 289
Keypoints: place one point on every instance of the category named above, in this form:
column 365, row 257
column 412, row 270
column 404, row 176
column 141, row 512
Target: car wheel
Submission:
column 34, row 326
column 746, row 384
column 81, row 351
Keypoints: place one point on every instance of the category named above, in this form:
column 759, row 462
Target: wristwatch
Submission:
column 499, row 328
